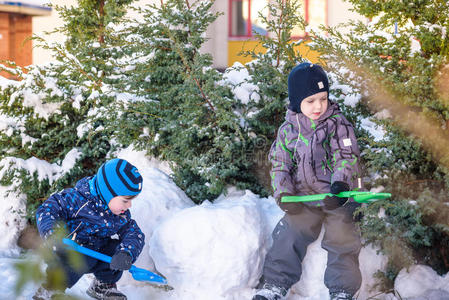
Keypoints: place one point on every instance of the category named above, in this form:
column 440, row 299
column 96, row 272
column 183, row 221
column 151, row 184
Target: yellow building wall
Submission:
column 235, row 47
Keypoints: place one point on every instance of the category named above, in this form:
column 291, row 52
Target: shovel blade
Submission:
column 145, row 275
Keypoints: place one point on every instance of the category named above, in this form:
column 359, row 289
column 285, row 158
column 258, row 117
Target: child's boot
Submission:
column 340, row 296
column 104, row 291
column 46, row 294
column 270, row 292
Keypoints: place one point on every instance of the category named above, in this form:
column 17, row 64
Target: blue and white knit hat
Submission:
column 117, row 177
column 305, row 80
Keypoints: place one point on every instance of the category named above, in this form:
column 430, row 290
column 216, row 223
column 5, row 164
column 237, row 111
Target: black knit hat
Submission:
column 117, row 177
column 305, row 80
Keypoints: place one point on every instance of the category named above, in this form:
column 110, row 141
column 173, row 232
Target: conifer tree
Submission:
column 57, row 111
column 190, row 120
column 194, row 120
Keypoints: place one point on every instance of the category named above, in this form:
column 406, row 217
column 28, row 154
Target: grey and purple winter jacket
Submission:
column 89, row 219
column 308, row 156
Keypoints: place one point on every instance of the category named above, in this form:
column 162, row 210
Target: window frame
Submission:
column 249, row 33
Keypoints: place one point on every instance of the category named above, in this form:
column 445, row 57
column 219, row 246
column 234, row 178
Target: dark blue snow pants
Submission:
column 74, row 265
column 294, row 233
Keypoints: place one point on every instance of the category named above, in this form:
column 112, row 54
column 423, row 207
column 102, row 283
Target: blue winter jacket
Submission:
column 89, row 219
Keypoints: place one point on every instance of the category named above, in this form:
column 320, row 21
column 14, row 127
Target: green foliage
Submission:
column 403, row 69
column 56, row 112
column 414, row 231
column 188, row 111
column 269, row 71
column 187, row 116
column 146, row 83
column 30, row 268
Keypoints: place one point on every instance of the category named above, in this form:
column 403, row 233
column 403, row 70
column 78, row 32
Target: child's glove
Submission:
column 121, row 261
column 289, row 207
column 331, row 203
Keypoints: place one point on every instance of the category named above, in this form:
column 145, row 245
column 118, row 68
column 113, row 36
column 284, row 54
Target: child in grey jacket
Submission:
column 315, row 152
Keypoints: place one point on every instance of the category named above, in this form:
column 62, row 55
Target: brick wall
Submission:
column 14, row 30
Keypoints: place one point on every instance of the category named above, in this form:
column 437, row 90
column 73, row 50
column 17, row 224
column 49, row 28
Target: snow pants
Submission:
column 74, row 265
column 294, row 233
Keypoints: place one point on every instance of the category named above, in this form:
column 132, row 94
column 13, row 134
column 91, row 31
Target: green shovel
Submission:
column 360, row 197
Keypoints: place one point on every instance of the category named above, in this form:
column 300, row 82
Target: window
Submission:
column 239, row 18
column 244, row 16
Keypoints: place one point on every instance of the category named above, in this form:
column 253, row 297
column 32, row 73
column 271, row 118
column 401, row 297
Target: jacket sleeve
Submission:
column 132, row 239
column 345, row 154
column 50, row 214
column 282, row 163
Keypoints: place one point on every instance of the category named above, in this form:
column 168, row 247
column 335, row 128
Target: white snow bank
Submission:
column 311, row 286
column 213, row 251
column 12, row 221
column 421, row 281
column 370, row 262
column 8, row 277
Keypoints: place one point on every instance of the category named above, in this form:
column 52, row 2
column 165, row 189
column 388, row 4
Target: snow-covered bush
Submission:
column 57, row 113
column 215, row 129
column 190, row 120
column 146, row 83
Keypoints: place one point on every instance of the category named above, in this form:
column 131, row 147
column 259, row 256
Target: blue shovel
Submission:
column 137, row 273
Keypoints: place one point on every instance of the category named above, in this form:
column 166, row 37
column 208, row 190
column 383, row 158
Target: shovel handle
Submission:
column 137, row 273
column 360, row 197
column 86, row 251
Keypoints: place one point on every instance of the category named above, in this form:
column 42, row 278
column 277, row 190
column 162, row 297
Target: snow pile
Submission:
column 160, row 198
column 312, row 277
column 8, row 277
column 211, row 251
column 12, row 220
column 370, row 262
column 214, row 251
column 422, row 282
column 238, row 77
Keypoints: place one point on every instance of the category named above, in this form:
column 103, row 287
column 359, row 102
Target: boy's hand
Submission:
column 289, row 207
column 339, row 186
column 121, row 261
column 334, row 202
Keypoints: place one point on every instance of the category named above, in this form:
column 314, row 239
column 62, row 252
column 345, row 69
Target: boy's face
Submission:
column 118, row 205
column 314, row 106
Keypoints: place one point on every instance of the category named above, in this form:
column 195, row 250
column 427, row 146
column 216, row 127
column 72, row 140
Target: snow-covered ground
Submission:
column 213, row 251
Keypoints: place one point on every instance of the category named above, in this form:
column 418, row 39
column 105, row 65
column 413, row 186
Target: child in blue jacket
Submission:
column 96, row 215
